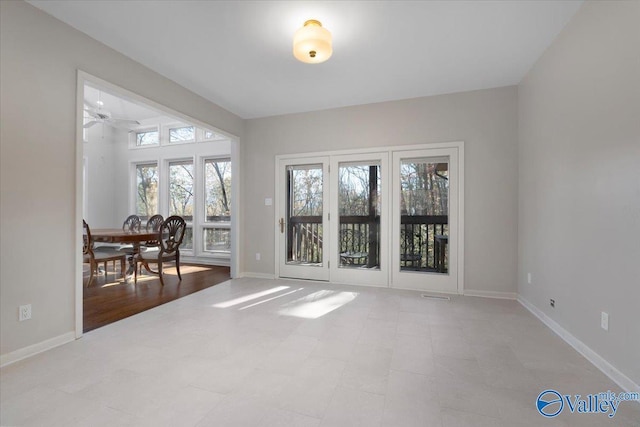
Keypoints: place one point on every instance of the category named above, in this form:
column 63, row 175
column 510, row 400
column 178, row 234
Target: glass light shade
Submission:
column 312, row 43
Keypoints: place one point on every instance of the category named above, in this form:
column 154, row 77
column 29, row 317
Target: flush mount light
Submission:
column 312, row 43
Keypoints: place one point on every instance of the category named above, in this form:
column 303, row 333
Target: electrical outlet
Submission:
column 604, row 321
column 552, row 303
column 529, row 278
column 24, row 312
column 258, row 256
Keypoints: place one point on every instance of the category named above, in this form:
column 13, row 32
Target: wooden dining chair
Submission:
column 95, row 258
column 170, row 238
column 154, row 224
column 132, row 223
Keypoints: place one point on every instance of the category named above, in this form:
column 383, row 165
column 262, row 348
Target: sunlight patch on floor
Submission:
column 317, row 304
column 249, row 297
column 109, row 284
column 270, row 299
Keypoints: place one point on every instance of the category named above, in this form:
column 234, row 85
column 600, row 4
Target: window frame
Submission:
column 165, row 140
column 134, row 185
column 133, row 137
column 205, row 224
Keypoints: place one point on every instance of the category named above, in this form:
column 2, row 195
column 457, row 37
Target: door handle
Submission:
column 281, row 225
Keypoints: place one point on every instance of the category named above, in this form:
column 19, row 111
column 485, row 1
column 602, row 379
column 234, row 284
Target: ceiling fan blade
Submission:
column 91, row 112
column 133, row 122
column 91, row 123
column 117, row 125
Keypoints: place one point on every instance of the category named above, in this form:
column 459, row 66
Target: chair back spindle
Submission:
column 132, row 223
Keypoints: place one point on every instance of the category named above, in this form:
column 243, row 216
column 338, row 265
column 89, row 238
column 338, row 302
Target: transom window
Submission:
column 147, row 138
column 182, row 134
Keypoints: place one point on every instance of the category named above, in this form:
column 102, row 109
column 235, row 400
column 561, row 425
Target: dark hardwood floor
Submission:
column 110, row 299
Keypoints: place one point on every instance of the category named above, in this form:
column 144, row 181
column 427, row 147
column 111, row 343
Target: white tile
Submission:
column 44, row 406
column 453, row 418
column 242, row 411
column 410, row 414
column 471, row 397
column 458, row 369
column 354, row 408
column 387, row 358
column 413, row 353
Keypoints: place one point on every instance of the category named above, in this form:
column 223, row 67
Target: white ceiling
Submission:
column 238, row 54
column 119, row 107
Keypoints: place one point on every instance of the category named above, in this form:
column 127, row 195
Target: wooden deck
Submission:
column 110, row 299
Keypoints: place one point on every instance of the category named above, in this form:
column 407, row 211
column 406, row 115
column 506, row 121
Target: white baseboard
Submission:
column 490, row 294
column 607, row 368
column 252, row 275
column 32, row 350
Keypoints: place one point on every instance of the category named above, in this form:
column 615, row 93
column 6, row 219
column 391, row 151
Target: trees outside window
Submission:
column 217, row 188
column 182, row 134
column 145, row 138
column 146, row 190
column 217, row 232
column 181, row 189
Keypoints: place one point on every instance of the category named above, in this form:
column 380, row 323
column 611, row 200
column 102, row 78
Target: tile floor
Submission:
column 254, row 352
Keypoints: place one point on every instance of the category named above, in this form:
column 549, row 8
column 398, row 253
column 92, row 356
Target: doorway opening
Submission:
column 137, row 157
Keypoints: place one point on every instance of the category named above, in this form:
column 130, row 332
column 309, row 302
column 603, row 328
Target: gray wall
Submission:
column 579, row 181
column 485, row 120
column 39, row 58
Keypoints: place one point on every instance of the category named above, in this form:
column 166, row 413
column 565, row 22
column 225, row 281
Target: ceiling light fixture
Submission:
column 312, row 43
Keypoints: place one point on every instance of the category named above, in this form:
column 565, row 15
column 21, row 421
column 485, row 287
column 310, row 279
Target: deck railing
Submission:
column 359, row 241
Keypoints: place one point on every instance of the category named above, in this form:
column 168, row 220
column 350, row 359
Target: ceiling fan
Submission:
column 98, row 115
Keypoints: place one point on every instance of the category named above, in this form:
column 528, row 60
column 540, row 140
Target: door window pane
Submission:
column 146, row 190
column 424, row 213
column 181, row 189
column 359, row 189
column 304, row 215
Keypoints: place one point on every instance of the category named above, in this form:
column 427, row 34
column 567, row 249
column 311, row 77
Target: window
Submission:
column 196, row 188
column 187, row 241
column 182, row 134
column 148, row 137
column 146, row 190
column 181, row 189
column 217, row 240
column 181, row 197
column 218, row 189
column 217, row 232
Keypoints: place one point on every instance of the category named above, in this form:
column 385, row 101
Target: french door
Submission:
column 387, row 218
column 359, row 219
column 425, row 228
column 303, row 216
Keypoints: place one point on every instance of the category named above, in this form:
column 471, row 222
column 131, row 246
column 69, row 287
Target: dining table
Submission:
column 118, row 235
